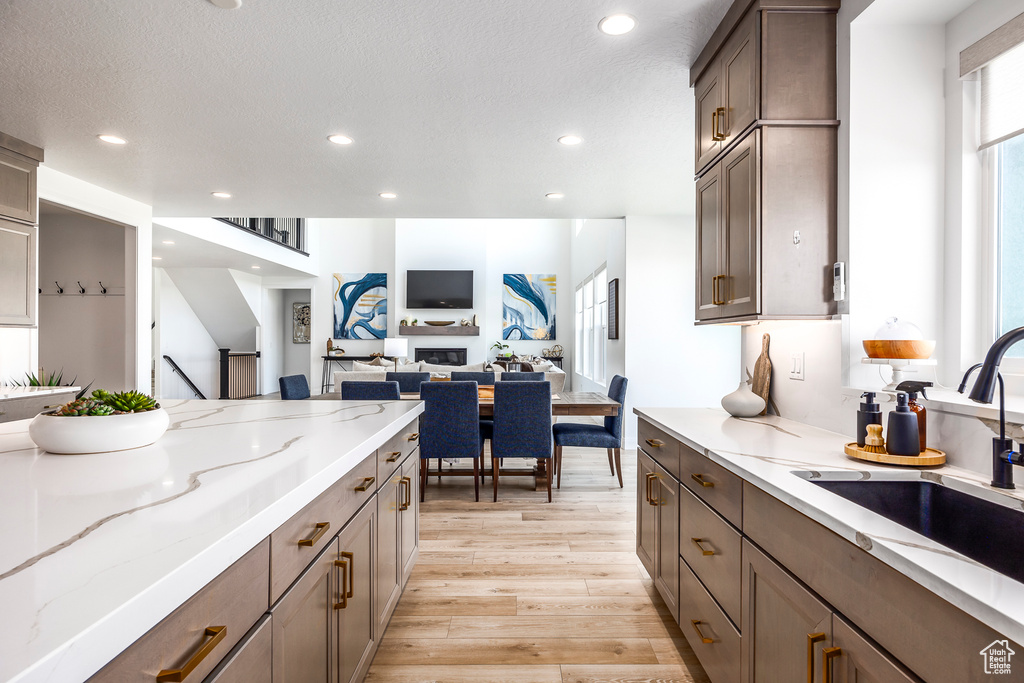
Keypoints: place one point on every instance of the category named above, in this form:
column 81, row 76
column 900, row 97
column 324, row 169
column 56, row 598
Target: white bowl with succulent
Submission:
column 101, row 423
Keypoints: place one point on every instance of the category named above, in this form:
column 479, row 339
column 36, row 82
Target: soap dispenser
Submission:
column 868, row 414
column 914, row 388
column 903, row 437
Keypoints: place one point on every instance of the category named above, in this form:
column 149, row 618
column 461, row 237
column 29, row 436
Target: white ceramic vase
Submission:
column 97, row 434
column 743, row 402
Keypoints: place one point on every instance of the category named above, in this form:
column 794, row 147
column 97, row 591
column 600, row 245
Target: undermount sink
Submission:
column 985, row 526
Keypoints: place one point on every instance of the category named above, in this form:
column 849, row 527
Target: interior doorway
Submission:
column 86, row 304
column 285, row 335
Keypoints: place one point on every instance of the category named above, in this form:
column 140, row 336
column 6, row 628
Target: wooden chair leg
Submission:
column 423, row 478
column 551, row 475
column 476, row 477
column 610, row 463
column 618, row 465
column 558, row 465
column 494, row 475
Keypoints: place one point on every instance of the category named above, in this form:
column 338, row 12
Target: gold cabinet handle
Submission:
column 699, row 478
column 351, row 571
column 405, row 484
column 648, row 476
column 655, row 443
column 697, row 542
column 812, row 638
column 367, row 482
column 343, row 566
column 717, row 116
column 722, row 134
column 827, row 655
column 215, row 635
column 321, row 529
column 696, row 627
column 393, row 456
column 714, row 290
column 651, row 500
column 413, row 437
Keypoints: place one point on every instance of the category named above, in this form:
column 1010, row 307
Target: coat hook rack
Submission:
column 81, row 289
column 103, row 289
column 60, row 290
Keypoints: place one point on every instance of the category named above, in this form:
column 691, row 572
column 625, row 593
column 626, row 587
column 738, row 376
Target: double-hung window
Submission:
column 592, row 326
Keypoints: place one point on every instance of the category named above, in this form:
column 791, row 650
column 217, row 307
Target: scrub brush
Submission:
column 873, row 442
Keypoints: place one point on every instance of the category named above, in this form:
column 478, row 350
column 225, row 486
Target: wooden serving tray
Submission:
column 930, row 458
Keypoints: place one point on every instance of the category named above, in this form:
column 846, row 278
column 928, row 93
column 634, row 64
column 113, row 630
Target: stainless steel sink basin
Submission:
column 985, row 526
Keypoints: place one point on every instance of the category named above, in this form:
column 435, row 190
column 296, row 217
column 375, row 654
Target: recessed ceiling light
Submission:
column 555, row 195
column 221, row 195
column 168, row 241
column 255, row 267
column 112, row 139
column 226, row 4
column 340, row 139
column 388, row 195
column 158, row 258
column 570, row 140
column 617, row 24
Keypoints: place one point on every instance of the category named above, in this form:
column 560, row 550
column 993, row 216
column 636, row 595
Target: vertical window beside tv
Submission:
column 439, row 289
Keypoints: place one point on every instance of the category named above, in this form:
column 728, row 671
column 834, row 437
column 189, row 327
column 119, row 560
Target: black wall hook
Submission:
column 60, row 290
column 102, row 288
column 81, row 289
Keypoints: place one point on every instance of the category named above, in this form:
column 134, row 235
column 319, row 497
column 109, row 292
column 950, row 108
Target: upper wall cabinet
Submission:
column 768, row 62
column 18, row 212
column 18, row 164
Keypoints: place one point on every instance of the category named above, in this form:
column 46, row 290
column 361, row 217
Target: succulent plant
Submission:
column 126, row 401
column 84, row 406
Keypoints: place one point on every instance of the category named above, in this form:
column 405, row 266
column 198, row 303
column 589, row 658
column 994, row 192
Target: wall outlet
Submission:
column 796, row 368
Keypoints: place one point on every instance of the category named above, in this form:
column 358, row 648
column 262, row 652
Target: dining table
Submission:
column 564, row 403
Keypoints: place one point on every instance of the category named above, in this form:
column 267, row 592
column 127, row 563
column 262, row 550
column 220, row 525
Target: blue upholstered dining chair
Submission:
column 484, row 378
column 450, row 428
column 293, row 387
column 408, row 382
column 369, row 391
column 607, row 436
column 521, row 377
column 522, row 425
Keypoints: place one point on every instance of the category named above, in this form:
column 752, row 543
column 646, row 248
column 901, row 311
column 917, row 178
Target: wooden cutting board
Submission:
column 763, row 374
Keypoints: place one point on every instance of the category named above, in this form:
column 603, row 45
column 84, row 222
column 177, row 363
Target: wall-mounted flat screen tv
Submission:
column 439, row 289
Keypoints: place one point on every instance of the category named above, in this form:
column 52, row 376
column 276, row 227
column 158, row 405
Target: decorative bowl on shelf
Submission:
column 899, row 348
column 99, row 433
column 439, row 323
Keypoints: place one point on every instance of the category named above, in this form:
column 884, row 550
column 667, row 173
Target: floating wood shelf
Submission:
column 446, row 331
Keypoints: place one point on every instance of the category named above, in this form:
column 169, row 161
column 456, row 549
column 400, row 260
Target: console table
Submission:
column 327, row 374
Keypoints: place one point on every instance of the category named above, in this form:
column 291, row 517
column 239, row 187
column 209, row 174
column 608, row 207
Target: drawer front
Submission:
column 712, row 483
column 720, row 657
column 30, row 406
column 394, row 451
column 294, row 544
column 250, row 661
column 660, row 446
column 715, row 555
column 220, row 614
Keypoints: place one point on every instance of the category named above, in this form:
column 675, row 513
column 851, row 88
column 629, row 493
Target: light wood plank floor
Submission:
column 524, row 591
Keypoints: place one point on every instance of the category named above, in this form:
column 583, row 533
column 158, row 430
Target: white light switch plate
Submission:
column 796, row 368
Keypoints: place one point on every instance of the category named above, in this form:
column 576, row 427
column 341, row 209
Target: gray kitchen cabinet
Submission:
column 304, row 625
column 410, row 517
column 646, row 533
column 18, row 286
column 356, row 636
column 390, row 498
column 855, row 659
column 250, row 660
column 658, row 528
column 18, row 179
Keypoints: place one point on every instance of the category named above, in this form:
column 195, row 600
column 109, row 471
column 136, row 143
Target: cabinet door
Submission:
column 250, row 660
column 389, row 539
column 740, row 185
column 17, row 187
column 666, row 558
column 740, row 79
column 785, row 627
column 410, row 517
column 708, row 108
column 303, row 624
column 645, row 511
column 17, row 273
column 356, row 639
column 858, row 660
column 709, row 224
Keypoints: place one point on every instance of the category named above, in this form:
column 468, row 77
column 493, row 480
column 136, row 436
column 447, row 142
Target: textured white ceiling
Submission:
column 453, row 104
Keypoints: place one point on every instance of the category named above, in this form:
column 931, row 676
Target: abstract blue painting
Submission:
column 528, row 305
column 360, row 305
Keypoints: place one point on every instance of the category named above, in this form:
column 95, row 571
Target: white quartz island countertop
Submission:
column 767, row 450
column 96, row 549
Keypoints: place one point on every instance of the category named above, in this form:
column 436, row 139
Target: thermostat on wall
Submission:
column 839, row 281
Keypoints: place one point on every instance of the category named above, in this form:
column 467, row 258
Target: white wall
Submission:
column 83, row 334
column 182, row 336
column 295, row 356
column 669, row 361
column 272, row 342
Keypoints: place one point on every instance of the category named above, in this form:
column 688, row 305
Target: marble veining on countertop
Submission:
column 766, row 451
column 8, row 391
column 96, row 549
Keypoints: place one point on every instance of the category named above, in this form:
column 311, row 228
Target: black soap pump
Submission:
column 868, row 414
column 914, row 388
column 903, row 437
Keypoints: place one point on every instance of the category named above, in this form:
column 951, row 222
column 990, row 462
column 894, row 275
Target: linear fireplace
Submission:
column 441, row 356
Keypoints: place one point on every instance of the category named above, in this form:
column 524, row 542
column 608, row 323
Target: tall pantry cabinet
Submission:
column 765, row 150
